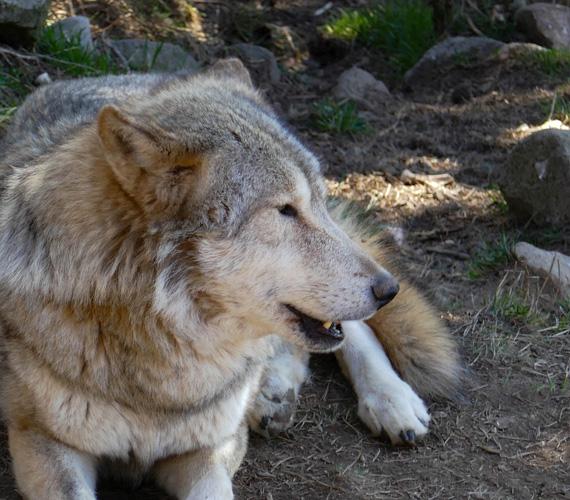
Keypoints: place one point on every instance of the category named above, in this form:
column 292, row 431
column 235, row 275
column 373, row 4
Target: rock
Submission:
column 43, row 79
column 546, row 24
column 360, row 86
column 146, row 55
column 449, row 53
column 518, row 49
column 553, row 264
column 21, row 20
column 259, row 61
column 75, row 28
column 462, row 93
column 536, row 179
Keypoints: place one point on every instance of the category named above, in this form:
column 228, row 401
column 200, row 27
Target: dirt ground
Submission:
column 509, row 435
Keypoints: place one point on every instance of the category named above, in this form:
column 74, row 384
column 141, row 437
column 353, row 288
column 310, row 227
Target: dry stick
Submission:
column 37, row 57
column 552, row 106
column 471, row 24
column 117, row 52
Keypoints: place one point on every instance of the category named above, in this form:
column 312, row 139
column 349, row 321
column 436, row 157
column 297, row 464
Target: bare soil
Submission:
column 509, row 436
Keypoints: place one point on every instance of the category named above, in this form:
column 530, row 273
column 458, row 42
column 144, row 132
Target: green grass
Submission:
column 338, row 117
column 403, row 30
column 497, row 199
column 564, row 316
column 69, row 56
column 511, row 307
column 13, row 89
column 147, row 65
column 552, row 62
column 560, row 109
column 491, row 256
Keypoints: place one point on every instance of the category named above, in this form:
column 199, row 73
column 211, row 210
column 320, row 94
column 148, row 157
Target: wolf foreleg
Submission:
column 49, row 470
column 385, row 401
column 203, row 474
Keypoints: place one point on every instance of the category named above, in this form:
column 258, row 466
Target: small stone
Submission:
column 146, row 55
column 546, row 24
column 260, row 62
column 43, row 79
column 505, row 422
column 555, row 265
column 21, row 20
column 360, row 86
column 75, row 28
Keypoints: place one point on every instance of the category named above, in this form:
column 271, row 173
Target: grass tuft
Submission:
column 563, row 313
column 491, row 256
column 13, row 89
column 552, row 62
column 497, row 199
column 338, row 117
column 70, row 57
column 559, row 108
column 402, row 29
column 511, row 306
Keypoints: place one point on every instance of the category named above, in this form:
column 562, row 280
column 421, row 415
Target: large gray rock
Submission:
column 536, row 179
column 360, row 86
column 146, row 55
column 259, row 61
column 21, row 20
column 451, row 52
column 75, row 27
column 546, row 24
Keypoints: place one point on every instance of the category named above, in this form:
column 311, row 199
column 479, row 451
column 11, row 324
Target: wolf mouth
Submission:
column 315, row 329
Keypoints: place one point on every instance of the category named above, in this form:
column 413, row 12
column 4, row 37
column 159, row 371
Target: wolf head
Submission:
column 239, row 207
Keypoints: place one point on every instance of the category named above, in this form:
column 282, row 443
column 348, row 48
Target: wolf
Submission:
column 167, row 261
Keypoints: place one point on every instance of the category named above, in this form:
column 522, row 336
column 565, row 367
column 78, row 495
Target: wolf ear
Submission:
column 146, row 160
column 231, row 67
column 129, row 146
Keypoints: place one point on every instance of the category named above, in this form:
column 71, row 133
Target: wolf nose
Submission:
column 385, row 289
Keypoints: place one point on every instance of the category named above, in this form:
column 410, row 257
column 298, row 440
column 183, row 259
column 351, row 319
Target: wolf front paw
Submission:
column 396, row 409
column 272, row 413
column 273, row 410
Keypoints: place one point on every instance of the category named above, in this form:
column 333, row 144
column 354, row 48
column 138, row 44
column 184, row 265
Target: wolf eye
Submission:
column 288, row 211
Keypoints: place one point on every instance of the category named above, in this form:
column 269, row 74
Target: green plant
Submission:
column 497, row 199
column 68, row 55
column 559, row 108
column 13, row 89
column 552, row 62
column 511, row 307
column 563, row 323
column 147, row 60
column 338, row 117
column 491, row 256
column 402, row 29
